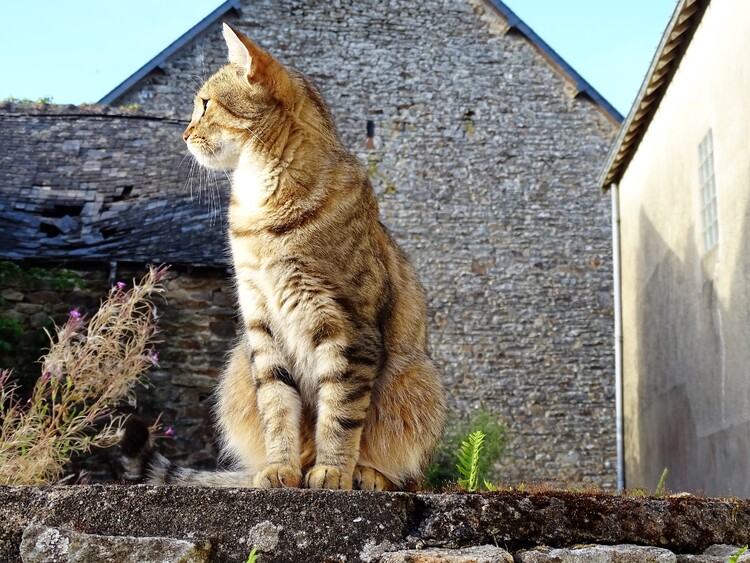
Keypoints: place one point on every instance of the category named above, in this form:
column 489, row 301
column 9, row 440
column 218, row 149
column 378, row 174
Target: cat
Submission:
column 330, row 384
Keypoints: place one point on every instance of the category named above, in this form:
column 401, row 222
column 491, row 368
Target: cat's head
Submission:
column 250, row 104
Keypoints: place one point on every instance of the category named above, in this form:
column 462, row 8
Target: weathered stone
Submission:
column 14, row 518
column 42, row 544
column 11, row 295
column 305, row 525
column 719, row 553
column 289, row 525
column 43, row 297
column 28, row 308
column 686, row 525
column 479, row 554
column 599, row 554
column 265, row 536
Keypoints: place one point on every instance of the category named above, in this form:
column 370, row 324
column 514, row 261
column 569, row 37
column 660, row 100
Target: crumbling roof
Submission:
column 674, row 43
column 115, row 186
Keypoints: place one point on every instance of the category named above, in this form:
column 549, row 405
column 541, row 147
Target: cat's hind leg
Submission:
column 369, row 479
column 404, row 423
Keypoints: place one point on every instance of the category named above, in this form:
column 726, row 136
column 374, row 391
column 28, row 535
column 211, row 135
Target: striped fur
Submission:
column 330, row 384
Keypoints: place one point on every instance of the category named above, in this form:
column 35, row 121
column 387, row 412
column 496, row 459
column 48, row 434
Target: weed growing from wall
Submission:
column 91, row 367
column 468, row 461
column 442, row 472
column 735, row 557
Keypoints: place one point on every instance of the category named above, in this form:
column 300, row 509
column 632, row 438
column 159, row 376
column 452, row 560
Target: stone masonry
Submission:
column 485, row 164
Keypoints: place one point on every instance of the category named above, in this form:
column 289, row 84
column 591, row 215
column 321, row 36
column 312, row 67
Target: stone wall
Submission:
column 485, row 167
column 143, row 524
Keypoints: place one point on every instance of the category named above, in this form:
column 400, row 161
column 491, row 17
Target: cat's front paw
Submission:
column 328, row 477
column 278, row 475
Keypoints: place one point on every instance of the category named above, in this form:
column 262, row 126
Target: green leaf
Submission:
column 736, row 555
column 468, row 460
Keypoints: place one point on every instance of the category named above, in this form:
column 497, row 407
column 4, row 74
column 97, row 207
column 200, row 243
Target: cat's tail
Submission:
column 143, row 464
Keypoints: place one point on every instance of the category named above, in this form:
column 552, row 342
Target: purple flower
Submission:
column 75, row 314
column 121, row 285
column 169, row 432
column 155, row 357
column 46, row 375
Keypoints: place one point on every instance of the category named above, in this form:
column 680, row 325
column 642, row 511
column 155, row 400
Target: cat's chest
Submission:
column 252, row 182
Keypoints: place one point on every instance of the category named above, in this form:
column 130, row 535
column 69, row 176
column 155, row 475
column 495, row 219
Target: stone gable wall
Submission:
column 485, row 168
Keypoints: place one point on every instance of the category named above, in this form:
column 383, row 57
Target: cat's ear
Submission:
column 247, row 54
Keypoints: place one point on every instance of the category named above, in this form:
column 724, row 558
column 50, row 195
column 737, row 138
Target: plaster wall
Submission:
column 686, row 310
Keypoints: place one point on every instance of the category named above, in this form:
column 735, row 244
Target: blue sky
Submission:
column 76, row 51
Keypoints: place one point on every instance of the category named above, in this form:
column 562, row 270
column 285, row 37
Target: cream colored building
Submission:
column 679, row 175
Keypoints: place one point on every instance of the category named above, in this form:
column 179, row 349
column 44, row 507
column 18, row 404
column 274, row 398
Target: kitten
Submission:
column 330, row 384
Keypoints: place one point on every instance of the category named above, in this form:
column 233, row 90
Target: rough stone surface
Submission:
column 599, row 554
column 719, row 553
column 685, row 525
column 484, row 165
column 479, row 554
column 302, row 525
column 290, row 525
column 42, row 544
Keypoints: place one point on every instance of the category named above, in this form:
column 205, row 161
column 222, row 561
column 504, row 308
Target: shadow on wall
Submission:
column 683, row 385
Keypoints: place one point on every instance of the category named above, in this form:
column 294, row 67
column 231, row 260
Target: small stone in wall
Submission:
column 480, row 554
column 600, row 554
column 265, row 536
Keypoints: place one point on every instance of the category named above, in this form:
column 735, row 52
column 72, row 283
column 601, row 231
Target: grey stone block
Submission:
column 599, row 554
column 44, row 544
column 480, row 554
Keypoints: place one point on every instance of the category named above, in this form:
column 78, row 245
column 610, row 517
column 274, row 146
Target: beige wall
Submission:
column 686, row 321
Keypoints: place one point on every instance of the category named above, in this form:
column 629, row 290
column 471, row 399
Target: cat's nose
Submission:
column 186, row 134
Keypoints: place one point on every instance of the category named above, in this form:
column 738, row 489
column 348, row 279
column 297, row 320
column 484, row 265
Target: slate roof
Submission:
column 116, row 187
column 674, row 43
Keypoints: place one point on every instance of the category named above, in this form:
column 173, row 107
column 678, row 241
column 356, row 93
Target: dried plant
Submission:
column 90, row 368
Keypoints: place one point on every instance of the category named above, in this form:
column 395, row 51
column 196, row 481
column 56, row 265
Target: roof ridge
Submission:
column 582, row 85
column 672, row 47
column 170, row 50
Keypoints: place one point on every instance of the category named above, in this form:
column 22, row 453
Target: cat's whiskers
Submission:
column 191, row 172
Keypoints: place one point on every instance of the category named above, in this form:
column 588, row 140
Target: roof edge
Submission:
column 672, row 47
column 582, row 85
column 176, row 45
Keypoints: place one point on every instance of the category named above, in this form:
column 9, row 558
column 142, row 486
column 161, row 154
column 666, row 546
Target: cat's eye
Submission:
column 205, row 104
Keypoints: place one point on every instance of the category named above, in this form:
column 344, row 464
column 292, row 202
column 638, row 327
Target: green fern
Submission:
column 253, row 557
column 468, row 460
column 736, row 555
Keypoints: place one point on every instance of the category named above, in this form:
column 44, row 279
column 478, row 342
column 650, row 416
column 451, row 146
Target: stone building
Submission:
column 484, row 158
column 679, row 175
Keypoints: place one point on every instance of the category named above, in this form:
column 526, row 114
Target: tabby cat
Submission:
column 330, row 384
